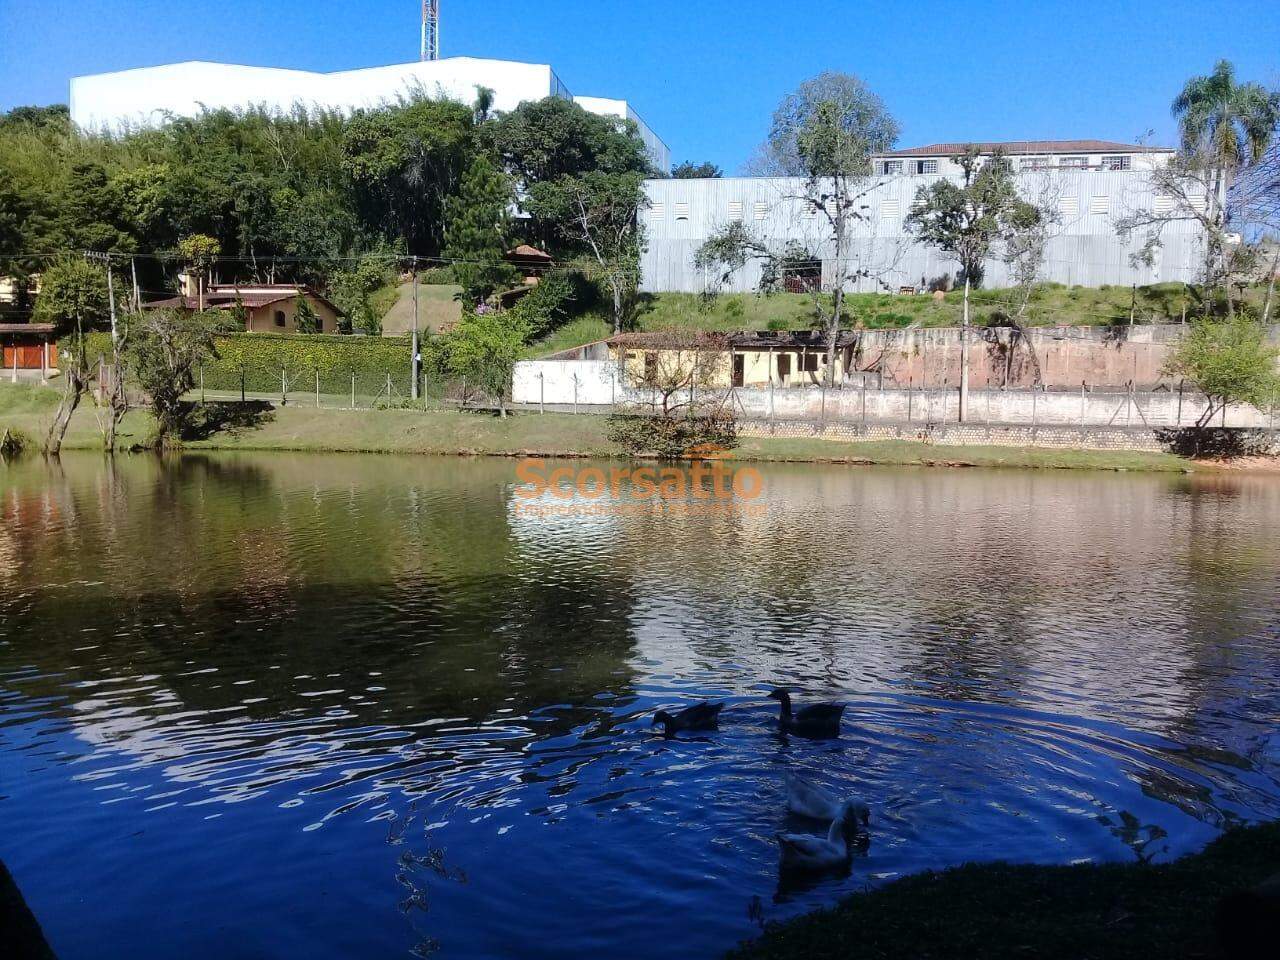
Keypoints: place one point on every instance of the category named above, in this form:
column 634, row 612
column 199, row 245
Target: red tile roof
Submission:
column 1016, row 147
column 26, row 328
column 253, row 296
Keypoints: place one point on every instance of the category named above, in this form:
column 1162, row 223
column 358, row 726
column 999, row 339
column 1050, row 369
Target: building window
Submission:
column 809, row 362
column 1100, row 205
column 762, row 210
column 650, row 365
column 1116, row 163
column 279, row 318
column 735, row 209
column 1034, row 163
column 658, row 211
column 1073, row 162
column 810, row 210
column 1069, row 206
column 784, row 366
column 926, row 166
column 892, row 168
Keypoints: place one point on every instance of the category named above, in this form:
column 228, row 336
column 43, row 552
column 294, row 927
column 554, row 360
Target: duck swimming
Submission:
column 800, row 851
column 809, row 800
column 701, row 716
column 817, row 721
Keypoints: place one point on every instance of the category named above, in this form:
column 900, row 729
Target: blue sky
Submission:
column 706, row 74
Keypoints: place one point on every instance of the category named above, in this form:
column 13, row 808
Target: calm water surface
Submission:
column 334, row 707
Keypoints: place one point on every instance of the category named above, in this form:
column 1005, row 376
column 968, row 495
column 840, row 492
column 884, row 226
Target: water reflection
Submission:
column 268, row 685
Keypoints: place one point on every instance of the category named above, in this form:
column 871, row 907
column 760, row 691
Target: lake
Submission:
column 278, row 706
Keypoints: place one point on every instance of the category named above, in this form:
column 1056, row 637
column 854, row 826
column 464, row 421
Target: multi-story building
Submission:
column 1026, row 155
column 148, row 95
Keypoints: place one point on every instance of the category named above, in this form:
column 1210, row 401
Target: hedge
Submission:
column 257, row 360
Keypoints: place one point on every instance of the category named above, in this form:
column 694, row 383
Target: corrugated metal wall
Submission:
column 1084, row 249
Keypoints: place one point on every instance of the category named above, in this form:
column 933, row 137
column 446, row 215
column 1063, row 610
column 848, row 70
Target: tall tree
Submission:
column 826, row 133
column 73, row 297
column 479, row 230
column 596, row 219
column 965, row 220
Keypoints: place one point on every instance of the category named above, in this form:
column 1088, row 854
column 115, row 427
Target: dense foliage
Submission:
column 1229, row 362
column 308, row 196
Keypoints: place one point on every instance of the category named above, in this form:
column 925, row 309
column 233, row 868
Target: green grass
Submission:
column 1051, row 305
column 1002, row 912
column 29, row 409
column 437, row 307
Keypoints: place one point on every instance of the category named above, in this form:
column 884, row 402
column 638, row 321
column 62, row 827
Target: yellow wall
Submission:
column 759, row 366
column 262, row 319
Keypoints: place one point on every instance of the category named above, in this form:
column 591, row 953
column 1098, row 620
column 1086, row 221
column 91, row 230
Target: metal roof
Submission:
column 1016, row 147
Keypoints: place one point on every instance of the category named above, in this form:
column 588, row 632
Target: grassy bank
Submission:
column 1052, row 304
column 999, row 911
column 29, row 409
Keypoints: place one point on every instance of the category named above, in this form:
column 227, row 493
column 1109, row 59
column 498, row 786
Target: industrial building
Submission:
column 1083, row 247
column 149, row 95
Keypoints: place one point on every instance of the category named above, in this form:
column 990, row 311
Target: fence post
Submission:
column 864, row 399
column 1082, row 403
column 1033, row 408
column 284, row 390
column 771, row 391
column 353, row 391
column 242, row 384
column 388, row 387
column 911, row 393
column 317, row 389
column 575, row 393
column 15, row 362
column 1128, row 409
column 823, row 413
column 202, row 383
column 1181, row 384
column 542, row 392
column 44, row 362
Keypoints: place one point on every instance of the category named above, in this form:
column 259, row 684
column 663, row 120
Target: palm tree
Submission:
column 1233, row 122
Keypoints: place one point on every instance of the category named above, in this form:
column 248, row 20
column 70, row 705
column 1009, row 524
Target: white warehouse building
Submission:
column 147, row 96
column 1083, row 248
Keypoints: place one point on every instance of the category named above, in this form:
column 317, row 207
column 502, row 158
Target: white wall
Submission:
column 143, row 97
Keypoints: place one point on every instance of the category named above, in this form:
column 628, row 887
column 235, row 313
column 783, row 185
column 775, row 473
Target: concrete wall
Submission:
column 999, row 435
column 1084, row 248
column 588, row 383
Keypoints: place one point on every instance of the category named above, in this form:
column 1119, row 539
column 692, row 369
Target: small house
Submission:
column 754, row 358
column 268, row 307
column 28, row 346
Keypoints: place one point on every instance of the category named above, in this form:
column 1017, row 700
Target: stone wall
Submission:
column 1006, row 435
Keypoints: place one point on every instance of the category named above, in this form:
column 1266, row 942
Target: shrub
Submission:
column 547, row 305
column 671, row 438
column 13, row 442
column 437, row 275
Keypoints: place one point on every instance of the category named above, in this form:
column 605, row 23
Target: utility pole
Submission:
column 413, row 391
column 430, row 30
column 963, row 414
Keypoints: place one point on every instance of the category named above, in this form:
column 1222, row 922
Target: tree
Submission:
column 484, row 348
column 696, row 171
column 1229, row 362
column 965, row 220
column 1224, row 126
column 867, row 125
column 726, row 251
column 596, row 217
column 826, row 132
column 200, row 253
column 479, row 230
column 165, row 348
column 352, row 290
column 305, row 317
column 73, row 297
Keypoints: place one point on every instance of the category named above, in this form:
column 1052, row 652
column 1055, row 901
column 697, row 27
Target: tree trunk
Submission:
column 1271, row 288
column 62, row 419
column 617, row 306
column 964, row 353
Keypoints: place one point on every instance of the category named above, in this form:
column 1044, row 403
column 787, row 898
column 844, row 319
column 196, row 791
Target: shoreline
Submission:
column 297, row 429
column 1004, row 911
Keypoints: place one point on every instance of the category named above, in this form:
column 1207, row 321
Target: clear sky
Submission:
column 706, row 74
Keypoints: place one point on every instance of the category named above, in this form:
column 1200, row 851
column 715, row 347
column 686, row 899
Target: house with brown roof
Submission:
column 1026, row 155
column 268, row 307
